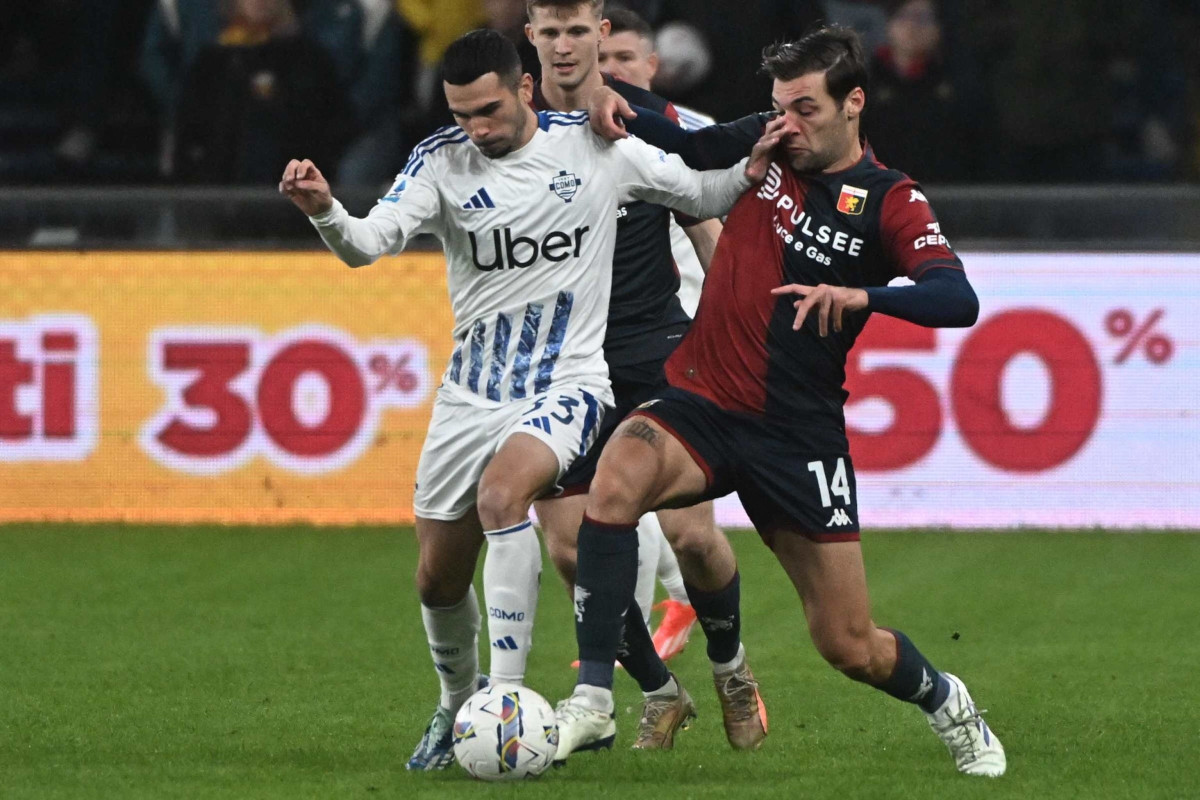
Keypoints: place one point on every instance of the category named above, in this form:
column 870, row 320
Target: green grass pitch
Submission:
column 140, row 662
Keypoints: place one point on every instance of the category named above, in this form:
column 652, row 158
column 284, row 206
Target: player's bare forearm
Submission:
column 704, row 236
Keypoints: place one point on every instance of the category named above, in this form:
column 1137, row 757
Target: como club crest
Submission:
column 565, row 184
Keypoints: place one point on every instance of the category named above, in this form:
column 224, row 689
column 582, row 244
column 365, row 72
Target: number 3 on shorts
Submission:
column 839, row 485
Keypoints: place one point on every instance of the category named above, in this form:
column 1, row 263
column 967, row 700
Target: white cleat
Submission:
column 581, row 727
column 960, row 725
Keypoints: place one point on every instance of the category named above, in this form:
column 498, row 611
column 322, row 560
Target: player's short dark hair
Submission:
column 835, row 50
column 564, row 5
column 478, row 52
column 623, row 20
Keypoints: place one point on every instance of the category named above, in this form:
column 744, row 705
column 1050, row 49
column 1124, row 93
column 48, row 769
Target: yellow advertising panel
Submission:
column 234, row 387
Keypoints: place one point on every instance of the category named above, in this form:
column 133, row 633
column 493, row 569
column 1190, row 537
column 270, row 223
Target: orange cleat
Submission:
column 674, row 630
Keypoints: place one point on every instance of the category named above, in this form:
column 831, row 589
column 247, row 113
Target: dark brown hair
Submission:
column 834, row 50
column 478, row 52
column 622, row 20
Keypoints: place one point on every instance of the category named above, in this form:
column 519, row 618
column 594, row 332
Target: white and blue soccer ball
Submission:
column 505, row 732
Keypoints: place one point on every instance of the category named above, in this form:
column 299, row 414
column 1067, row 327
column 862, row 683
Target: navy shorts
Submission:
column 794, row 477
column 632, row 385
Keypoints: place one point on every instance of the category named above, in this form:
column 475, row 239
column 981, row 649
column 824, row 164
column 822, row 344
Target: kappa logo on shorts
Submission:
column 839, row 518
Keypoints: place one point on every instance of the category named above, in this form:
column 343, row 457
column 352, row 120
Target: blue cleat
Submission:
column 436, row 749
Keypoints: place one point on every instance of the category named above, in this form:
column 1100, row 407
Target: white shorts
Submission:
column 462, row 439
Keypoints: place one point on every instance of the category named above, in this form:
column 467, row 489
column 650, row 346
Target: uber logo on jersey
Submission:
column 518, row 252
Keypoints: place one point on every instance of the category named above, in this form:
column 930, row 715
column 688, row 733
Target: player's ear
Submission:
column 529, row 32
column 605, row 29
column 525, row 89
column 652, row 63
column 854, row 103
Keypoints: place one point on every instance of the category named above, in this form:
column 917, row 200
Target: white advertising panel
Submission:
column 1073, row 401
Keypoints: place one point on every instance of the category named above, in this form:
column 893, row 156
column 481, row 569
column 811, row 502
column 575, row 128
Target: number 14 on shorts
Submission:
column 830, row 486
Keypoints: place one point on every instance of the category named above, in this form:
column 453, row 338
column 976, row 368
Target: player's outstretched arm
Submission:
column 411, row 207
column 652, row 175
column 306, row 187
column 941, row 298
column 714, row 147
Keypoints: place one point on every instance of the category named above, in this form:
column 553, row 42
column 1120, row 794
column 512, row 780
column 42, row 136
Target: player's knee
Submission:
column 847, row 653
column 562, row 555
column 693, row 544
column 439, row 591
column 615, row 496
column 500, row 505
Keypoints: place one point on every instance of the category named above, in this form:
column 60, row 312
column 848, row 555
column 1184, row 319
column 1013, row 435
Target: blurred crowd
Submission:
column 225, row 91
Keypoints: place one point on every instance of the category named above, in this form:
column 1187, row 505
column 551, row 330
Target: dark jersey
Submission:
column 645, row 318
column 860, row 227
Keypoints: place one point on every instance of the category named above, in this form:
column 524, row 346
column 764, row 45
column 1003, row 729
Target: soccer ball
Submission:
column 505, row 731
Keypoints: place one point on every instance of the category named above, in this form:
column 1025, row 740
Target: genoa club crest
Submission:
column 565, row 184
column 851, row 200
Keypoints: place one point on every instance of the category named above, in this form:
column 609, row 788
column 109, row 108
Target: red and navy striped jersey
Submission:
column 645, row 316
column 860, row 227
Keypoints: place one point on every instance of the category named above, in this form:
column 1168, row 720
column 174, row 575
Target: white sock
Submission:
column 512, row 570
column 669, row 575
column 453, row 635
column 596, row 698
column 649, row 535
column 668, row 689
column 730, row 666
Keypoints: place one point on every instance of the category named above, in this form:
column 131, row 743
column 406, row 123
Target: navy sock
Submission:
column 637, row 654
column 914, row 680
column 605, row 579
column 720, row 616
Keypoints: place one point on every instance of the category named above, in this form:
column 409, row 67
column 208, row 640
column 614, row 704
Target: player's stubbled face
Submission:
column 567, row 41
column 626, row 56
column 819, row 132
column 491, row 112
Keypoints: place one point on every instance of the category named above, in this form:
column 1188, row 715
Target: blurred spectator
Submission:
column 68, row 109
column 436, row 24
column 1084, row 90
column 371, row 48
column 263, row 94
column 868, row 17
column 708, row 56
column 916, row 119
column 176, row 33
column 510, row 18
column 376, row 58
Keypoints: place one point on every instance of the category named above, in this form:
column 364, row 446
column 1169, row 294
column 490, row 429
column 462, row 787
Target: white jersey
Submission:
column 529, row 241
column 691, row 273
